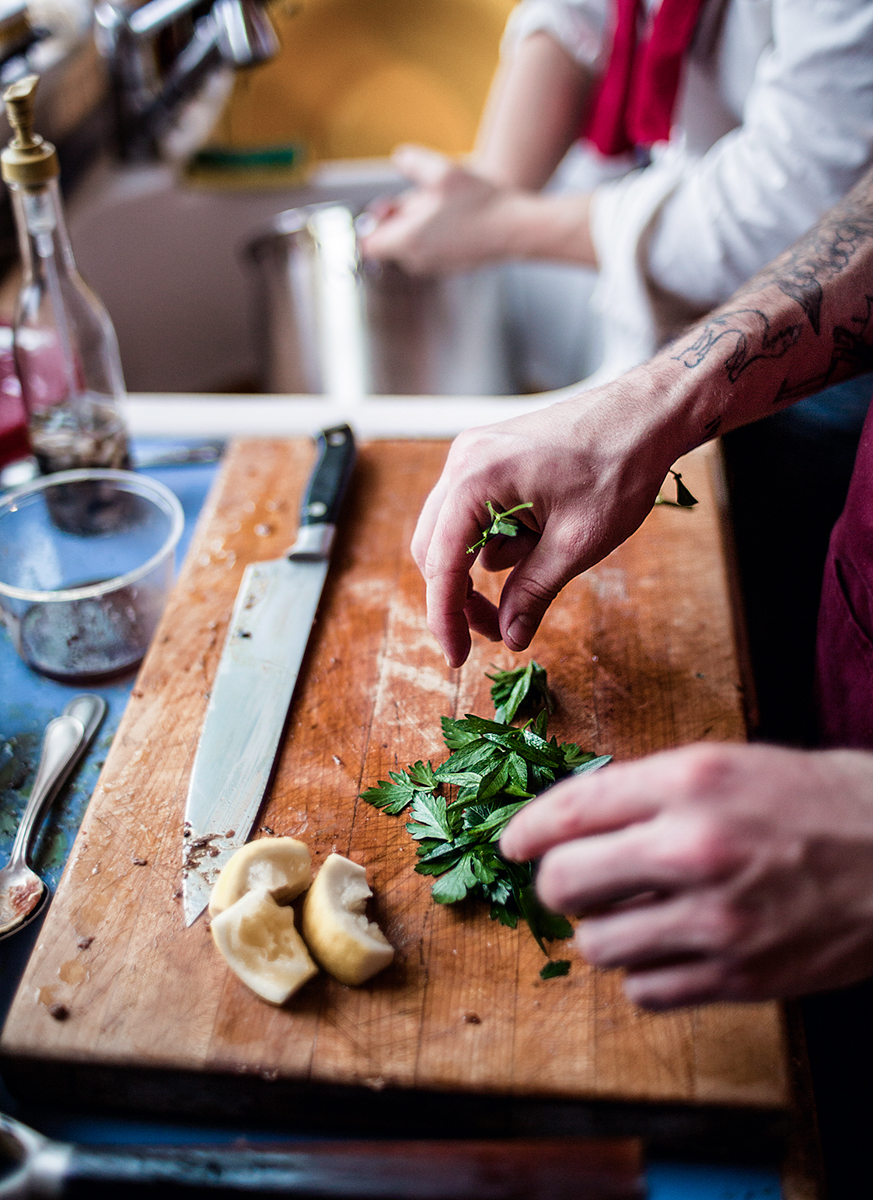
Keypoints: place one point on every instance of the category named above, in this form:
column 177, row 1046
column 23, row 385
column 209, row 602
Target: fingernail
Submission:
column 520, row 631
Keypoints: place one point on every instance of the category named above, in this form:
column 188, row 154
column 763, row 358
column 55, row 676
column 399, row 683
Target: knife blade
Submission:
column 269, row 630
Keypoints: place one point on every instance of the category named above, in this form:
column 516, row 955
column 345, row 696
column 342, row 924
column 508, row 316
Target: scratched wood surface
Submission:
column 641, row 654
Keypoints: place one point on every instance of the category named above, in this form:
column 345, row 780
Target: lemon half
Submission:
column 258, row 938
column 335, row 926
column 283, row 866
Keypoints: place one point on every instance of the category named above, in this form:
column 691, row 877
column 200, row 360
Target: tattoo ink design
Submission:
column 802, row 271
column 748, row 349
column 808, row 294
column 742, row 334
column 852, row 354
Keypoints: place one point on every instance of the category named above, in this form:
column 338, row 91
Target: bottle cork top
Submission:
column 27, row 159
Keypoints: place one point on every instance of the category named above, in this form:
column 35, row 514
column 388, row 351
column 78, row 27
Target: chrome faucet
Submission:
column 236, row 33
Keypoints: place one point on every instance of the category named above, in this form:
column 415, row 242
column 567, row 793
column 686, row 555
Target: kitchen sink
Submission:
column 166, row 258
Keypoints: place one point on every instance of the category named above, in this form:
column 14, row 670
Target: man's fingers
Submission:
column 663, row 929
column 587, row 804
column 658, row 988
column 446, row 574
column 659, row 855
column 482, row 616
column 505, row 552
column 427, row 168
column 535, row 582
column 450, row 523
column 447, row 595
column 422, row 538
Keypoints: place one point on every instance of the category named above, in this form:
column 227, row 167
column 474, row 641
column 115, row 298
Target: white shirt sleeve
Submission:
column 578, row 25
column 680, row 236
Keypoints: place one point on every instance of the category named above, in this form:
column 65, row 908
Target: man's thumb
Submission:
column 523, row 604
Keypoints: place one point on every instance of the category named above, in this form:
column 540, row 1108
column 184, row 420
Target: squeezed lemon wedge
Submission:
column 281, row 865
column 258, row 938
column 335, row 927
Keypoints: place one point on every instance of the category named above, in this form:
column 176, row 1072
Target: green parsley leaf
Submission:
column 454, row 885
column 422, row 775
column 477, row 821
column 393, row 797
column 546, row 926
column 590, row 763
column 455, row 733
column 522, row 688
column 495, row 769
column 503, row 523
column 430, row 819
column 554, row 968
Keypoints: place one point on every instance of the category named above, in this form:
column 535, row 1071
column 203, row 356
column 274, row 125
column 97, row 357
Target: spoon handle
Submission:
column 60, row 744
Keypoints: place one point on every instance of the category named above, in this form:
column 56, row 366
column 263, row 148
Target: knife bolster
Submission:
column 313, row 543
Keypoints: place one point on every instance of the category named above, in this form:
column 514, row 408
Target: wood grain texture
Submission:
column 641, row 655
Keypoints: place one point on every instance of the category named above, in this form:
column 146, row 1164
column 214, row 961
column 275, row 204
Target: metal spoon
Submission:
column 63, row 744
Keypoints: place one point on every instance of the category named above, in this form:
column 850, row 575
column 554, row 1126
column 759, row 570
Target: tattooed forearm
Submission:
column 818, row 271
column 824, row 253
column 801, row 325
column 851, row 354
column 753, row 340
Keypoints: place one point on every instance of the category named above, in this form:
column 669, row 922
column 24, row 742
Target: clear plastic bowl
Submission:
column 86, row 565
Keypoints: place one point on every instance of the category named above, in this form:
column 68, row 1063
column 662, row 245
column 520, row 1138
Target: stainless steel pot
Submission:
column 332, row 324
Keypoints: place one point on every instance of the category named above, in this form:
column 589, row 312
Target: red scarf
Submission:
column 634, row 105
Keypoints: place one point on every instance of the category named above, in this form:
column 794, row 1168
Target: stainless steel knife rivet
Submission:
column 316, row 509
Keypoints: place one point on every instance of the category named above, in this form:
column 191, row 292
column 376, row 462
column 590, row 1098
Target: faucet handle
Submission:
column 244, row 33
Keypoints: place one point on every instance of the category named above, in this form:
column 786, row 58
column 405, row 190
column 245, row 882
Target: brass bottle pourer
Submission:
column 28, row 159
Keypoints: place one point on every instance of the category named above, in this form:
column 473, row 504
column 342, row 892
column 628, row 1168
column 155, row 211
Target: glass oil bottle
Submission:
column 66, row 352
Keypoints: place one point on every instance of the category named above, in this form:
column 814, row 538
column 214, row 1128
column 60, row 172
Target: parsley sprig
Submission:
column 526, row 688
column 459, row 809
column 684, row 498
column 502, row 522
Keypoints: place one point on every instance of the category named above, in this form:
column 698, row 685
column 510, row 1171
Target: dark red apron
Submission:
column 844, row 652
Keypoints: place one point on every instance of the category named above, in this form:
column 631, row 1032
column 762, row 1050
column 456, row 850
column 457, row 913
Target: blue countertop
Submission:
column 27, row 703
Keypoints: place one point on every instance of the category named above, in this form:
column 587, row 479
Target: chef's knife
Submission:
column 266, row 641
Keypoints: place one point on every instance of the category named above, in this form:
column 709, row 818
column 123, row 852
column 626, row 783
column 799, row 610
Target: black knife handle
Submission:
column 330, row 477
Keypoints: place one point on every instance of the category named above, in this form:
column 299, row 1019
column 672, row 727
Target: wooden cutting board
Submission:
column 121, row 1002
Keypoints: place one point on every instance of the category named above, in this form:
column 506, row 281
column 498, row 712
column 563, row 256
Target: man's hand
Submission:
column 456, row 219
column 591, row 478
column 451, row 220
column 714, row 872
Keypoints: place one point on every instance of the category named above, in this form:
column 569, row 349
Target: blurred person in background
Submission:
column 636, row 163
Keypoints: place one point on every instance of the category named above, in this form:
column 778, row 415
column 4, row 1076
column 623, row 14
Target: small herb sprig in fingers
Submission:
column 502, row 522
column 684, row 498
column 460, row 808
